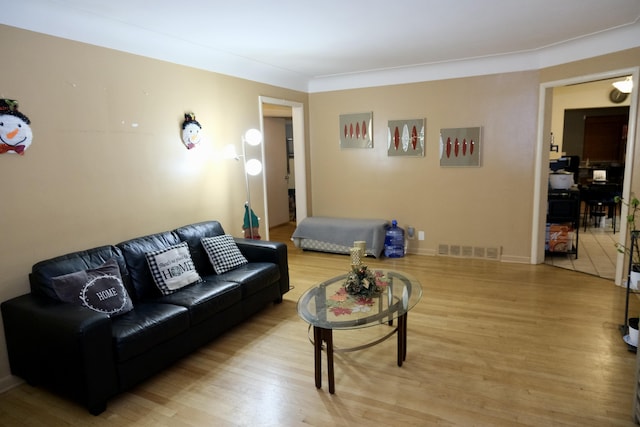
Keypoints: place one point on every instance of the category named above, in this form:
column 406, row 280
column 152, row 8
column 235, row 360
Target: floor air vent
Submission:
column 480, row 252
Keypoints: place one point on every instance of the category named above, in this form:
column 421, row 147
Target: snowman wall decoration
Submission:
column 190, row 131
column 15, row 132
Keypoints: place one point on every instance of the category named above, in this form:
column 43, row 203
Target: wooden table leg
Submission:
column 317, row 355
column 328, row 338
column 402, row 339
column 406, row 318
column 320, row 336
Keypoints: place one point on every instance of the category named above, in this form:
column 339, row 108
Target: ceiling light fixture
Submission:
column 624, row 86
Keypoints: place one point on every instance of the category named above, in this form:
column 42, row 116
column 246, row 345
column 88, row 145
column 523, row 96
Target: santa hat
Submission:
column 9, row 106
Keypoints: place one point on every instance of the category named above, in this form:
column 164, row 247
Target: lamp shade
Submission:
column 253, row 137
column 254, row 167
column 624, row 86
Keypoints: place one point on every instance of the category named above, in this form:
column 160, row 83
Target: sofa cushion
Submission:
column 223, row 253
column 43, row 272
column 253, row 277
column 134, row 251
column 100, row 289
column 172, row 268
column 207, row 298
column 145, row 327
column 192, row 235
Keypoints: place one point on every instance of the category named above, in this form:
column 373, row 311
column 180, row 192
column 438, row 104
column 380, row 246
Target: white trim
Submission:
column 297, row 118
column 537, row 252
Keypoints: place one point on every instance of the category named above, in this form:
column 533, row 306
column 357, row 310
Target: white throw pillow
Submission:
column 172, row 268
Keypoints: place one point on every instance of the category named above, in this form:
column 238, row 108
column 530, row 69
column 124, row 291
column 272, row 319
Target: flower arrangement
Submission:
column 362, row 282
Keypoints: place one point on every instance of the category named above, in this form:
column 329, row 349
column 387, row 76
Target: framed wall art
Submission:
column 460, row 147
column 356, row 130
column 405, row 137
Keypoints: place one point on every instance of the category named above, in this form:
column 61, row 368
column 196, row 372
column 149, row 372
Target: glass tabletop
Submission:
column 328, row 305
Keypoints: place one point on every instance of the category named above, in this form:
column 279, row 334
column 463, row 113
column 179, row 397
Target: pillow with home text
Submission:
column 100, row 289
column 172, row 268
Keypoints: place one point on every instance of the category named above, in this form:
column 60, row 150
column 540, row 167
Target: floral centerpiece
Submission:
column 363, row 282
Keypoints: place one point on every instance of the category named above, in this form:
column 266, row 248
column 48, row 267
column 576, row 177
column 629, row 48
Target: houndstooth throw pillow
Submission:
column 223, row 253
column 172, row 268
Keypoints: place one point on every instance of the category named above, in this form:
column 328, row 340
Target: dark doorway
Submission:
column 599, row 137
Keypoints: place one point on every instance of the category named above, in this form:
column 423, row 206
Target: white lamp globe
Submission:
column 253, row 137
column 254, row 167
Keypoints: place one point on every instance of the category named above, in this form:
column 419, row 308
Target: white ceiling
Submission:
column 336, row 44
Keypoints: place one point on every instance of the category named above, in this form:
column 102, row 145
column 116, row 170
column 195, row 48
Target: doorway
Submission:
column 542, row 159
column 296, row 110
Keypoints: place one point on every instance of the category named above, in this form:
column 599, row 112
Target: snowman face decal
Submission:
column 190, row 131
column 15, row 132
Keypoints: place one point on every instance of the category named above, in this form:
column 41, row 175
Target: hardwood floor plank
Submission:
column 490, row 344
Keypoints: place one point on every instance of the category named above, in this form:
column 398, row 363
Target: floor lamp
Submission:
column 252, row 167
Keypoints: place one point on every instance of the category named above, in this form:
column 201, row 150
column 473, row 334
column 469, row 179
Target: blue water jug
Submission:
column 394, row 241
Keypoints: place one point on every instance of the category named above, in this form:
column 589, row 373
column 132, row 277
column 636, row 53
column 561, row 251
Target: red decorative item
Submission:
column 358, row 130
column 448, row 147
column 464, row 147
column 351, row 130
column 456, row 148
column 471, row 145
column 396, row 138
column 364, row 130
column 414, row 137
column 346, row 133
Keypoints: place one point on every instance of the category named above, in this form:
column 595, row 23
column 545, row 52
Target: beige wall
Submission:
column 489, row 206
column 90, row 178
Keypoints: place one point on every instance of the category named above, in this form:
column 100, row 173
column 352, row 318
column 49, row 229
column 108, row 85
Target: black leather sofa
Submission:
column 91, row 356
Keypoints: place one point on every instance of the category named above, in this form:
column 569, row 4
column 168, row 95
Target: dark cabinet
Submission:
column 563, row 221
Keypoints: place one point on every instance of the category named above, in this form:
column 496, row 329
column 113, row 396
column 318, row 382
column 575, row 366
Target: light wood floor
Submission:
column 490, row 344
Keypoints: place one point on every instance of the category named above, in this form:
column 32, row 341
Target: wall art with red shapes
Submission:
column 460, row 147
column 405, row 137
column 15, row 129
column 356, row 130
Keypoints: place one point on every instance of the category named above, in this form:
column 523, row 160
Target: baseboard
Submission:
column 9, row 382
column 502, row 258
column 515, row 259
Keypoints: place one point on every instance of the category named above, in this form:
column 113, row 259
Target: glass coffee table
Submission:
column 328, row 307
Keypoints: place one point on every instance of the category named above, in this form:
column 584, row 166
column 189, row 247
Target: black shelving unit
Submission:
column 563, row 207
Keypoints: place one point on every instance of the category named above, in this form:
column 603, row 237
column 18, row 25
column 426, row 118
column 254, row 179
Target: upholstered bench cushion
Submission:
column 146, row 326
column 330, row 234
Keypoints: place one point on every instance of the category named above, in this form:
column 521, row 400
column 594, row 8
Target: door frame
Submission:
column 299, row 159
column 542, row 159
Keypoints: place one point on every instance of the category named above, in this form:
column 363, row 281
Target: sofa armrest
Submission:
column 266, row 251
column 64, row 346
